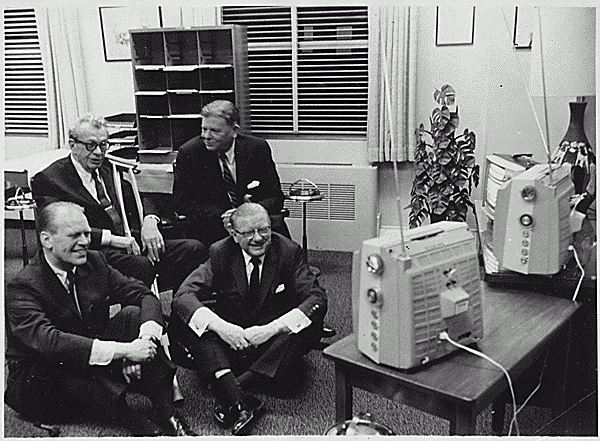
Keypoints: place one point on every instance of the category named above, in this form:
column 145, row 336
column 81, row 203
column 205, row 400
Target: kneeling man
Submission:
column 268, row 313
column 65, row 352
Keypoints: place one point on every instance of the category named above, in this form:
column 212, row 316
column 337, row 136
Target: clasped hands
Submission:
column 152, row 240
column 140, row 350
column 239, row 338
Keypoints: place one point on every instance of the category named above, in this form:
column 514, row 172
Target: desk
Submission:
column 519, row 325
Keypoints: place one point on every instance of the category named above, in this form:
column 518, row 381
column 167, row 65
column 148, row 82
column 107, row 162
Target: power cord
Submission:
column 444, row 336
column 572, row 248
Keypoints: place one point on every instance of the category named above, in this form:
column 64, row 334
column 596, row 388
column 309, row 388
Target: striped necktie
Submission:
column 229, row 182
column 108, row 207
column 72, row 291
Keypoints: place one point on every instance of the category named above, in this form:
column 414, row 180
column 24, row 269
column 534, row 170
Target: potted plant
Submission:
column 445, row 172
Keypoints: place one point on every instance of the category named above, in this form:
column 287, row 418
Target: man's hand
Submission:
column 128, row 243
column 152, row 239
column 131, row 370
column 231, row 334
column 226, row 218
column 140, row 350
column 257, row 335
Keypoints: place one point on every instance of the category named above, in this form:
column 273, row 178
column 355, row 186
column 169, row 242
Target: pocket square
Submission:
column 280, row 288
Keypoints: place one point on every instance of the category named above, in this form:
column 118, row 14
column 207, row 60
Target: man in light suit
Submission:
column 65, row 353
column 268, row 313
column 214, row 171
column 86, row 178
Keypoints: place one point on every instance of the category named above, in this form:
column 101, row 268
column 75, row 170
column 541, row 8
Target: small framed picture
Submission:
column 115, row 23
column 454, row 25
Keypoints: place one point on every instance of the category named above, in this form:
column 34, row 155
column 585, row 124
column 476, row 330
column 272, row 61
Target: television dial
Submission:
column 528, row 193
column 526, row 220
column 375, row 264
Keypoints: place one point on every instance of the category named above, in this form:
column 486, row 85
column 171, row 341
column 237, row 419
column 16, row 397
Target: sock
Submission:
column 228, row 388
column 246, row 378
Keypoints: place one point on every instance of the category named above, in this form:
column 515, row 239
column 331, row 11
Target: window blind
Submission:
column 25, row 103
column 308, row 68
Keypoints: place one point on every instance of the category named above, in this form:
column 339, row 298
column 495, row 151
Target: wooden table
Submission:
column 518, row 327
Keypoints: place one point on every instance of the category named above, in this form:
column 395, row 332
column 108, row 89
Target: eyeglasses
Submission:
column 263, row 232
column 91, row 146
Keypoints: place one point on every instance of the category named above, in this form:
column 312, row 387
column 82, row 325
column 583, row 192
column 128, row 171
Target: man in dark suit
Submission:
column 64, row 352
column 85, row 178
column 268, row 313
column 214, row 171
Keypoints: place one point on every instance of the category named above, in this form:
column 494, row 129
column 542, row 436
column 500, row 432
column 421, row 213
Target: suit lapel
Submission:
column 107, row 177
column 60, row 295
column 241, row 161
column 74, row 180
column 238, row 268
column 269, row 270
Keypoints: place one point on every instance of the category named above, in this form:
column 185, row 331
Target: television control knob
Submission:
column 526, row 220
column 373, row 296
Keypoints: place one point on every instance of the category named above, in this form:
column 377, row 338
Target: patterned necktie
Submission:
column 254, row 291
column 72, row 292
column 229, row 182
column 108, row 207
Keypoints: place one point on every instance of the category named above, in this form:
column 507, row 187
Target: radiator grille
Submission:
column 338, row 203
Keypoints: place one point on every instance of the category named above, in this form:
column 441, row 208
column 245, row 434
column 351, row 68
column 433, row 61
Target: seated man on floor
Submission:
column 86, row 178
column 64, row 352
column 216, row 170
column 268, row 313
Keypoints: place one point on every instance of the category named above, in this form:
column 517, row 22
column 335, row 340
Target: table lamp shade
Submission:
column 566, row 44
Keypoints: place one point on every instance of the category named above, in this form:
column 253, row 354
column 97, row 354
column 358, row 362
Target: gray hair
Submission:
column 223, row 109
column 248, row 209
column 94, row 121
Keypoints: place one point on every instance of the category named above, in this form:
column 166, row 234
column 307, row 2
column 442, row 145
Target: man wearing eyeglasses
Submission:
column 85, row 178
column 268, row 312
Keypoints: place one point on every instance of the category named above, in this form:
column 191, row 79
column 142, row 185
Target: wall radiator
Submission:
column 346, row 214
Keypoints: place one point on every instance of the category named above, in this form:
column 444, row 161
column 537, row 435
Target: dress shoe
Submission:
column 245, row 411
column 327, row 332
column 222, row 413
column 176, row 426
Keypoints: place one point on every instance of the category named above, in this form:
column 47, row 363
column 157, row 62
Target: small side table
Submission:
column 305, row 191
column 19, row 202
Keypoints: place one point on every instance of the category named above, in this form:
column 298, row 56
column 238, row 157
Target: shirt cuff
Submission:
column 151, row 328
column 102, row 352
column 200, row 320
column 295, row 320
column 152, row 216
column 105, row 239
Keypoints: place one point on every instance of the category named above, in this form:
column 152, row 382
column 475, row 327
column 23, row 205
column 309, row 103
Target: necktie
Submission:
column 254, row 291
column 72, row 292
column 108, row 207
column 229, row 182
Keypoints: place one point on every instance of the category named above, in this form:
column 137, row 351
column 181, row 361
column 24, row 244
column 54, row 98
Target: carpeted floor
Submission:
column 311, row 412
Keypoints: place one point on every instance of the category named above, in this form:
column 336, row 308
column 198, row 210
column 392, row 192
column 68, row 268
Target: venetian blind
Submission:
column 308, row 68
column 25, row 104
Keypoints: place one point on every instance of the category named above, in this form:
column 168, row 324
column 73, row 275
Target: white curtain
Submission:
column 61, row 46
column 392, row 58
column 189, row 16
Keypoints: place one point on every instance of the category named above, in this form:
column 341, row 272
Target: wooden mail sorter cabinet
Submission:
column 176, row 72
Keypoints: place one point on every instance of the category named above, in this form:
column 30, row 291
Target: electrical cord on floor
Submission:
column 572, row 248
column 513, row 421
column 538, row 385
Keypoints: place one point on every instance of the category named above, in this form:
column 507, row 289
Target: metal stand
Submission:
column 304, row 200
column 21, row 203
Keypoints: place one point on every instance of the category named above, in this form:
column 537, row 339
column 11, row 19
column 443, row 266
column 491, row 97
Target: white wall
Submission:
column 490, row 94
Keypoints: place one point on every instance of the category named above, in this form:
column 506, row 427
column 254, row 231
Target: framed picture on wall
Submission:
column 454, row 25
column 115, row 23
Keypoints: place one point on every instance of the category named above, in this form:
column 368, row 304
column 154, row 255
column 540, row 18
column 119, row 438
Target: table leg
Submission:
column 24, row 239
column 498, row 414
column 343, row 396
column 304, row 240
column 463, row 421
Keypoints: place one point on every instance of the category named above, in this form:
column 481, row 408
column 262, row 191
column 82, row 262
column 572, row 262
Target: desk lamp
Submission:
column 563, row 63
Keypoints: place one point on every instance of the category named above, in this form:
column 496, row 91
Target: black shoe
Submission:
column 176, row 426
column 246, row 411
column 327, row 332
column 222, row 414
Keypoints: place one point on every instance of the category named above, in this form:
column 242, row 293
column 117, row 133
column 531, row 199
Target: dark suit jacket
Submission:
column 44, row 326
column 60, row 182
column 224, row 272
column 199, row 190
